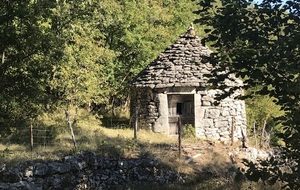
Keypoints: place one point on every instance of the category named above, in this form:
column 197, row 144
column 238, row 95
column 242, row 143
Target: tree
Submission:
column 137, row 31
column 75, row 53
column 261, row 113
column 77, row 77
column 258, row 43
column 24, row 42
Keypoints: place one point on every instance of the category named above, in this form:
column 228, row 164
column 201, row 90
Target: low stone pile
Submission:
column 252, row 154
column 86, row 171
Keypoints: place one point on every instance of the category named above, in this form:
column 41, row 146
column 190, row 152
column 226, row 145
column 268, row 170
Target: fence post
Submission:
column 31, row 137
column 179, row 136
column 136, row 123
column 232, row 130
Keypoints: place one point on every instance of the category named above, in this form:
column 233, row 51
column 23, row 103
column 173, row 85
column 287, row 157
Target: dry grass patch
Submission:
column 210, row 170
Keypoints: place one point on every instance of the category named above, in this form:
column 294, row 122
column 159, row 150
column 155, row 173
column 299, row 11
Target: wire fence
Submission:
column 32, row 137
column 41, row 136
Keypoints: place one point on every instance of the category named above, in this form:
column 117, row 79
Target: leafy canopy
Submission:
column 54, row 53
column 259, row 42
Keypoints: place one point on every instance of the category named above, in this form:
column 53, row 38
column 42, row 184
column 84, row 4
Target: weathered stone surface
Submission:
column 162, row 122
column 213, row 113
column 221, row 124
column 40, row 169
column 225, row 134
column 59, row 168
column 225, row 112
column 175, row 64
column 206, row 103
column 11, row 175
column 207, row 122
column 28, row 172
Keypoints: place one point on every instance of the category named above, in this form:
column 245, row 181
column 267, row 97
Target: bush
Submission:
column 188, row 131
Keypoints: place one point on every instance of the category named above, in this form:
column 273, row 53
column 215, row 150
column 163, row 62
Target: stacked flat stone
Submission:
column 218, row 121
column 179, row 65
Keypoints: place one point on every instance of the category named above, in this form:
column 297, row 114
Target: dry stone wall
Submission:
column 147, row 105
column 181, row 64
column 215, row 122
column 219, row 120
column 85, row 171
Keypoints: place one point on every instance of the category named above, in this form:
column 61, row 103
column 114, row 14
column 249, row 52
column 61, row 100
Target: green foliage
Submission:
column 83, row 53
column 188, row 131
column 256, row 41
column 6, row 152
column 137, row 31
column 24, row 44
column 262, row 112
column 77, row 74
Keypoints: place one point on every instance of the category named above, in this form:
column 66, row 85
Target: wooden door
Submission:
column 180, row 105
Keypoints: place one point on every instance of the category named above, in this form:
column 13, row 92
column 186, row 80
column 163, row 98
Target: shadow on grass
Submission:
column 216, row 173
column 211, row 171
column 115, row 123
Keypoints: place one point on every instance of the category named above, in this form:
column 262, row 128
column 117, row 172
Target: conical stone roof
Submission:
column 181, row 64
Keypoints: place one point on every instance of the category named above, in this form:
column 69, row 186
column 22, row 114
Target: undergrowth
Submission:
column 209, row 171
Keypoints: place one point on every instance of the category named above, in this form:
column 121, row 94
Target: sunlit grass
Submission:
column 91, row 135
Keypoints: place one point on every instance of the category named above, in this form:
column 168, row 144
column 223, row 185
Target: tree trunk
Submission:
column 3, row 57
column 262, row 135
column 255, row 136
column 70, row 124
column 112, row 112
column 136, row 123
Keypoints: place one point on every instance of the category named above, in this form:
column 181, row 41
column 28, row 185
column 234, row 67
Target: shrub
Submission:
column 188, row 131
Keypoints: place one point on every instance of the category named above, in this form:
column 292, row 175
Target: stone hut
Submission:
column 175, row 85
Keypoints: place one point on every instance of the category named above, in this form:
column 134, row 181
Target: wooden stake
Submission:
column 136, row 122
column 179, row 136
column 136, row 115
column 232, row 130
column 31, row 137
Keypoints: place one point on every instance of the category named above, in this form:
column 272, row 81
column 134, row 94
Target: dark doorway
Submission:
column 179, row 108
column 180, row 105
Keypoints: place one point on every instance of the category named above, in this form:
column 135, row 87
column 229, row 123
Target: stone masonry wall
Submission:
column 146, row 103
column 219, row 120
column 215, row 121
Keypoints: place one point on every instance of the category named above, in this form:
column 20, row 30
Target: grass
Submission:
column 90, row 135
column 208, row 171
